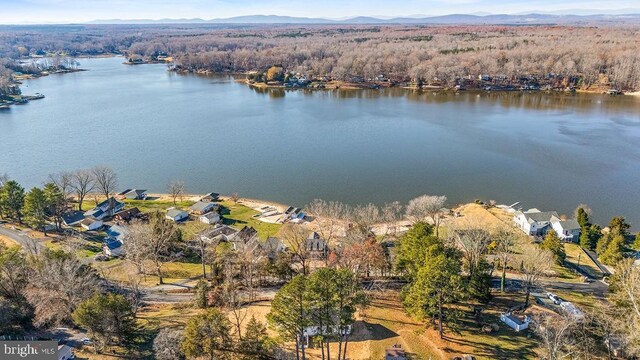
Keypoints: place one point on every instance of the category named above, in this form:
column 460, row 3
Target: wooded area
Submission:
column 439, row 55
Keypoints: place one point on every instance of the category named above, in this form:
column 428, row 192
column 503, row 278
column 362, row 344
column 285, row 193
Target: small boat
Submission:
column 4, row 107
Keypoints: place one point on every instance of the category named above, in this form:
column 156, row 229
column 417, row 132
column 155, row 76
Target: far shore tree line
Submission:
column 580, row 56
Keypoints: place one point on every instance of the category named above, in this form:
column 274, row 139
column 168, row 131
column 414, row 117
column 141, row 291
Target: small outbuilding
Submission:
column 176, row 215
column 514, row 322
column 91, row 224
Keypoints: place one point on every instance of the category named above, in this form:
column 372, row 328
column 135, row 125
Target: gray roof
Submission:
column 544, row 216
column 569, row 224
column 174, row 212
column 201, row 205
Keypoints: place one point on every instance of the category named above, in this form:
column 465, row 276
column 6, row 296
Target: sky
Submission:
column 66, row 11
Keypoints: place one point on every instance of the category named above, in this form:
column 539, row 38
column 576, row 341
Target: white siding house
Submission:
column 534, row 222
column 210, row 218
column 91, row 224
column 567, row 230
column 176, row 215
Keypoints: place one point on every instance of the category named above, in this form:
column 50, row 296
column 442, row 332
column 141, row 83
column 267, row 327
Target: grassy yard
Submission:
column 574, row 252
column 239, row 216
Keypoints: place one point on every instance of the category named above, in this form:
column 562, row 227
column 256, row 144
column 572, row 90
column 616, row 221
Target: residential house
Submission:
column 567, row 230
column 514, row 322
column 534, row 222
column 91, row 224
column 202, row 207
column 272, row 247
column 113, row 247
column 317, row 246
column 133, row 194
column 210, row 218
column 246, row 236
column 293, row 215
column 107, row 208
column 114, row 241
column 73, row 218
column 129, row 215
column 210, row 197
column 218, row 233
column 176, row 215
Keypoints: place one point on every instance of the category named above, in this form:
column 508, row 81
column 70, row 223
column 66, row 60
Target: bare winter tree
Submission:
column 176, row 190
column 3, row 179
column 106, row 181
column 534, row 264
column 392, row 214
column 57, row 286
column 155, row 242
column 364, row 217
column 329, row 217
column 474, row 242
column 625, row 294
column 558, row 334
column 426, row 207
column 83, row 183
column 504, row 239
column 166, row 345
column 295, row 238
column 64, row 182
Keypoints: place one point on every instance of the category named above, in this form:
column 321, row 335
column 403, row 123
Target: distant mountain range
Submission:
column 621, row 16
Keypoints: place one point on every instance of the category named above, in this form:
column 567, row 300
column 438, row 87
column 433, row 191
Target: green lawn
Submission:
column 147, row 206
column 239, row 216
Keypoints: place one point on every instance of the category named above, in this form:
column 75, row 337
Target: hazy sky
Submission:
column 62, row 11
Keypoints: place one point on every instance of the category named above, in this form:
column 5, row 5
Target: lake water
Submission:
column 152, row 126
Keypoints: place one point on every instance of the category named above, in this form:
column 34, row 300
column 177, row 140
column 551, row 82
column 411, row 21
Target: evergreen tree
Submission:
column 290, row 312
column 636, row 243
column 207, row 335
column 12, row 199
column 589, row 237
column 35, row 208
column 108, row 317
column 613, row 254
column 202, row 294
column 56, row 204
column 553, row 243
column 413, row 248
column 583, row 218
column 255, row 344
column 619, row 225
column 437, row 284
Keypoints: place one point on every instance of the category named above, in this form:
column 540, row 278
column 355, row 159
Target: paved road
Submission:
column 22, row 238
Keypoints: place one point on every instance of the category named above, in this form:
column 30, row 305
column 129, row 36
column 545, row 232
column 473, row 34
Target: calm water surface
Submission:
column 153, row 126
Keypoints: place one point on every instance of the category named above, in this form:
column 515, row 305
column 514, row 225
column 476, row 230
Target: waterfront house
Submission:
column 534, row 222
column 133, row 194
column 210, row 197
column 210, row 218
column 91, row 224
column 65, row 353
column 129, row 215
column 202, row 207
column 73, row 218
column 567, row 230
column 317, row 246
column 514, row 322
column 176, row 215
column 109, row 207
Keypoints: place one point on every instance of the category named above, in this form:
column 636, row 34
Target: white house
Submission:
column 202, row 207
column 134, row 194
column 533, row 221
column 176, row 215
column 514, row 322
column 91, row 224
column 567, row 230
column 210, row 218
column 106, row 208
